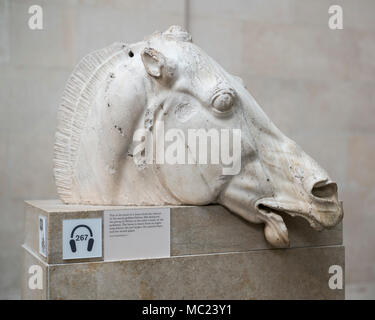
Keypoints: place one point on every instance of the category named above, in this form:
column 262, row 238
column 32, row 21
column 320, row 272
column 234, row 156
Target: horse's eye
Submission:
column 223, row 101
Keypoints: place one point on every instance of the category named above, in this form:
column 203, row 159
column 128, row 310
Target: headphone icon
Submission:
column 72, row 242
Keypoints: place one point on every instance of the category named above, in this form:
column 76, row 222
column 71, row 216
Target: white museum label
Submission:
column 43, row 235
column 82, row 238
column 142, row 233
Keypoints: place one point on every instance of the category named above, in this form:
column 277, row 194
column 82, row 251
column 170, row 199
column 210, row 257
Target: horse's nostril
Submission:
column 324, row 190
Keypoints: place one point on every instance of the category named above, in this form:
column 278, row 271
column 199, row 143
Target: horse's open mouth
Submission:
column 279, row 210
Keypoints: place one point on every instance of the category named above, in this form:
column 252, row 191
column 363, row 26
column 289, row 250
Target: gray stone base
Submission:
column 214, row 255
column 300, row 273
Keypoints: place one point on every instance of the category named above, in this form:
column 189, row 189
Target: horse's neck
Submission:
column 103, row 151
column 107, row 172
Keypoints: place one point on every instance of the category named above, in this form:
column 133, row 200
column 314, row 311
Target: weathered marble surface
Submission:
column 300, row 273
column 194, row 229
column 118, row 95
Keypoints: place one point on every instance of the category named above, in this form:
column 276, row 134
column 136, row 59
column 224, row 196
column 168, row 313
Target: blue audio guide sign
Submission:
column 82, row 238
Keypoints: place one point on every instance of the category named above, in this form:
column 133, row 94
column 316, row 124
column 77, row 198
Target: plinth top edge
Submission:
column 56, row 205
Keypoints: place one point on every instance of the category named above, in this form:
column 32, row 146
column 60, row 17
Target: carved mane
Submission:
column 77, row 99
column 74, row 109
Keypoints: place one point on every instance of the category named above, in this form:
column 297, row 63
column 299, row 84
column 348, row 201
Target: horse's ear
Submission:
column 156, row 64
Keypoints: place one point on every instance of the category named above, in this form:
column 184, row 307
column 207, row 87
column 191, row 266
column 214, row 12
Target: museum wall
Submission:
column 316, row 84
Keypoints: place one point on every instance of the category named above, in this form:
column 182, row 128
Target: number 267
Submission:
column 81, row 237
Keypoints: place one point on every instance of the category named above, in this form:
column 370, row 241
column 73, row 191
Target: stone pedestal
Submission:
column 214, row 255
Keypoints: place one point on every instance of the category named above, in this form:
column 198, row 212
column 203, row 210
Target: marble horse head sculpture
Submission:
column 165, row 87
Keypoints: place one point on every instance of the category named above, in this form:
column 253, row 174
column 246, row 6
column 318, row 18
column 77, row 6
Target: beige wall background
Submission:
column 316, row 84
